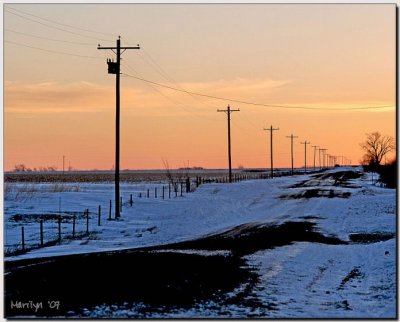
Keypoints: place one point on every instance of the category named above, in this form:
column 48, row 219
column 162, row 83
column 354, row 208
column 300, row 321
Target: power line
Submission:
column 51, row 51
column 54, row 27
column 257, row 104
column 165, row 75
column 150, row 61
column 61, row 24
column 179, row 104
column 154, row 65
column 46, row 38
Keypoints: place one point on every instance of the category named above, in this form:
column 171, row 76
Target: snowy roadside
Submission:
column 211, row 208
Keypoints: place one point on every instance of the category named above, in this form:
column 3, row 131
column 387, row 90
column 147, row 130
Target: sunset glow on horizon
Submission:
column 331, row 59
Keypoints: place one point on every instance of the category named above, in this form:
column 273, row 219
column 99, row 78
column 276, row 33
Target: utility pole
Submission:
column 319, row 155
column 305, row 154
column 323, row 156
column 114, row 68
column 291, row 147
column 315, row 150
column 63, row 162
column 272, row 159
column 228, row 113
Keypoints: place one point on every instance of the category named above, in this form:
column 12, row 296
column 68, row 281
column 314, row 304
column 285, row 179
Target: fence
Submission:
column 43, row 230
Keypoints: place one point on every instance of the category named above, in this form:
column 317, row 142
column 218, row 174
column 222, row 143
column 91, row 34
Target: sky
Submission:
column 59, row 99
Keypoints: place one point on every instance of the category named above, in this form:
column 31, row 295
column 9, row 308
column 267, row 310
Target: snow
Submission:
column 319, row 270
column 304, row 279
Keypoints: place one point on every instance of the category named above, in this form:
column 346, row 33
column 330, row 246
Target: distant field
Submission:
column 125, row 176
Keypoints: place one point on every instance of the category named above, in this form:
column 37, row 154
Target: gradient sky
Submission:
column 320, row 56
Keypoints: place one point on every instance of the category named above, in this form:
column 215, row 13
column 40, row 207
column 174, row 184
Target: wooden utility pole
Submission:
column 114, row 68
column 315, row 150
column 228, row 113
column 291, row 147
column 271, row 129
column 319, row 157
column 305, row 154
column 63, row 162
column 323, row 156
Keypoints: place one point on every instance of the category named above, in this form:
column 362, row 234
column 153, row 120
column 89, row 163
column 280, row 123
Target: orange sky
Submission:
column 320, row 56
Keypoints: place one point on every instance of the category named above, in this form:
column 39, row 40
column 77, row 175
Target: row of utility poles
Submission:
column 331, row 160
column 115, row 68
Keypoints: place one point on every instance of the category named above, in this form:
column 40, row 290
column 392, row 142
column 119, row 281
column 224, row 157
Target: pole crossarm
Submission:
column 124, row 48
column 228, row 111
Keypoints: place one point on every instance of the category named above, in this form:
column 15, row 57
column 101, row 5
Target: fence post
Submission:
column 187, row 185
column 59, row 229
column 155, row 192
column 87, row 221
column 176, row 191
column 41, row 233
column 169, row 190
column 148, row 193
column 140, row 195
column 131, row 200
column 163, row 192
column 23, row 237
column 98, row 223
column 109, row 213
column 181, row 188
column 73, row 226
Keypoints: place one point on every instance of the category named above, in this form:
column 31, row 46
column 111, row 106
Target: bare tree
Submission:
column 376, row 147
column 175, row 179
column 168, row 172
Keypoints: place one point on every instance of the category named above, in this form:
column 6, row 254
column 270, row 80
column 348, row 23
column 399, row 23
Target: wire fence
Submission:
column 53, row 228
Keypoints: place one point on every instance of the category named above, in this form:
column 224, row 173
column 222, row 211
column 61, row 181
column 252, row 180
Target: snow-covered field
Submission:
column 303, row 279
